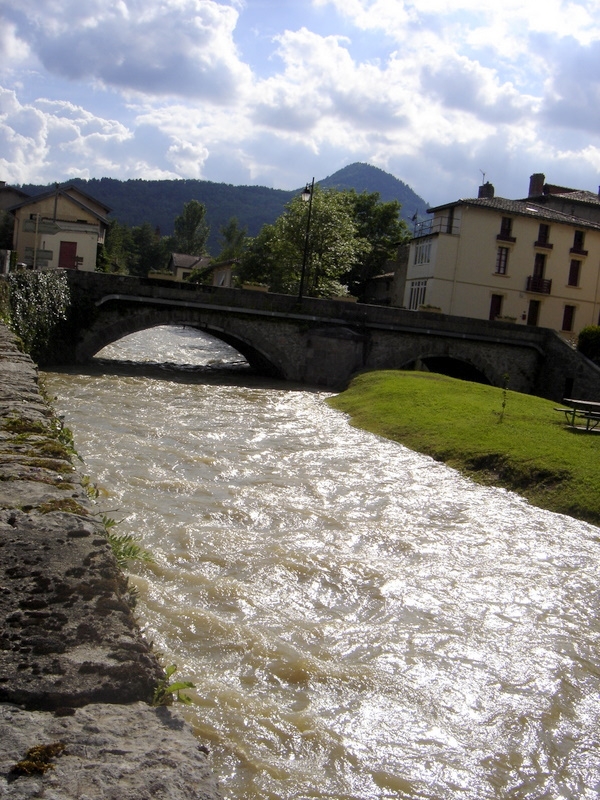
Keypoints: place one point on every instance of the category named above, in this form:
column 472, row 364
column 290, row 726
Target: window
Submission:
column 423, row 253
column 450, row 221
column 539, row 265
column 543, row 239
column 543, row 234
column 568, row 318
column 506, row 227
column 505, row 234
column 574, row 272
column 501, row 260
column 417, row 294
column 578, row 242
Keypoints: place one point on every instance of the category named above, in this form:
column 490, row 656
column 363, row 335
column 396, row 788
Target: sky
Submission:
column 442, row 94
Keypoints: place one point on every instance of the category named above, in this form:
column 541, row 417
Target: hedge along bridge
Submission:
column 323, row 342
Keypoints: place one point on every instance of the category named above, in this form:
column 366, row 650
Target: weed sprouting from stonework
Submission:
column 37, row 760
column 124, row 546
column 166, row 692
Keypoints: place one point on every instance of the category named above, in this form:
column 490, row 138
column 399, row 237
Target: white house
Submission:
column 534, row 261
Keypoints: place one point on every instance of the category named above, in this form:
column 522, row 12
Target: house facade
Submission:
column 60, row 229
column 534, row 261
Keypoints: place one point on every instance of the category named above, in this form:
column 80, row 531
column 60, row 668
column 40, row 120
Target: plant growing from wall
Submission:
column 166, row 692
column 124, row 546
column 38, row 759
column 4, row 302
column 39, row 301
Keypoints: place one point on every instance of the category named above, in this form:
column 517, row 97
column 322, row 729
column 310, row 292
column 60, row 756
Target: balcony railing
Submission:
column 540, row 285
column 437, row 225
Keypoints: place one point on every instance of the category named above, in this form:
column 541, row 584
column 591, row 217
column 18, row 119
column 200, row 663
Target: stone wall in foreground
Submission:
column 75, row 673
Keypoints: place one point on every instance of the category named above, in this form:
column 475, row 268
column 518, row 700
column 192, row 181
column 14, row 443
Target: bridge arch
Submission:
column 452, row 366
column 113, row 324
column 472, row 360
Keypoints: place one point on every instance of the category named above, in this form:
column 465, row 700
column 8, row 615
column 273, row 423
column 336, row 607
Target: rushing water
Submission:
column 359, row 620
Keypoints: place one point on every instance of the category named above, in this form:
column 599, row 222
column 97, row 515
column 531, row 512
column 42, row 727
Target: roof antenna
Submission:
column 483, row 175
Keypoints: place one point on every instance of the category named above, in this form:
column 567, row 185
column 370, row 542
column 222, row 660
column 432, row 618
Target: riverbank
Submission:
column 493, row 436
column 76, row 675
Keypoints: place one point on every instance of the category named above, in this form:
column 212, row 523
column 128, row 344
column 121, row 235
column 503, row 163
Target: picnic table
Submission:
column 587, row 410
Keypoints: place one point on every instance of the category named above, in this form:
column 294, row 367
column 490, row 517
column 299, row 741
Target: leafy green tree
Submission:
column 588, row 342
column 233, row 240
column 116, row 254
column 380, row 225
column 334, row 246
column 191, row 230
column 150, row 251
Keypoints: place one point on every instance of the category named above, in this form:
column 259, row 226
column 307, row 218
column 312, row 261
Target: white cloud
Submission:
column 433, row 90
column 170, row 48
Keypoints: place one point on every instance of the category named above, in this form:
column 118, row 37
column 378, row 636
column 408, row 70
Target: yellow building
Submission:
column 60, row 229
column 533, row 262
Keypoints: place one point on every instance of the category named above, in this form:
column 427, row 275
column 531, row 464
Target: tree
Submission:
column 150, row 251
column 191, row 230
column 233, row 240
column 380, row 225
column 275, row 256
column 588, row 342
column 116, row 253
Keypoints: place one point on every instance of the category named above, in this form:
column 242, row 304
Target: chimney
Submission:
column 486, row 191
column 536, row 184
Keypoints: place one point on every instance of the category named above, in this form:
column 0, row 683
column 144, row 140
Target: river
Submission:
column 359, row 621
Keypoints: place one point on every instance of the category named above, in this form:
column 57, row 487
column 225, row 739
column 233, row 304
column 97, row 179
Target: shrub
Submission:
column 589, row 342
column 38, row 301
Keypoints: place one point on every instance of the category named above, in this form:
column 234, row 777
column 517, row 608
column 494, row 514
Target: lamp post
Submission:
column 307, row 196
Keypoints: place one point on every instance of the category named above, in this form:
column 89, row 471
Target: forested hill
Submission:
column 134, row 202
column 365, row 178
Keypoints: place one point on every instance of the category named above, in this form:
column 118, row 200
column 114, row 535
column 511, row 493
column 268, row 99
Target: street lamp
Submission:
column 307, row 196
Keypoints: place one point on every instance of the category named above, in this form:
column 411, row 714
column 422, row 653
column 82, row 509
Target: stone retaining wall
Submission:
column 75, row 671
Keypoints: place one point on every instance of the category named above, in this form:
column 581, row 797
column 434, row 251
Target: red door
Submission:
column 67, row 256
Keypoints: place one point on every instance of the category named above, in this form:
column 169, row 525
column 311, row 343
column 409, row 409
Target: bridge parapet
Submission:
column 99, row 288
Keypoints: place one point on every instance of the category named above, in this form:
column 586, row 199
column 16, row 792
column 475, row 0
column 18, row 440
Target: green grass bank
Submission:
column 493, row 436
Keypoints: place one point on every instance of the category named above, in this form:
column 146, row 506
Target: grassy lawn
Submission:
column 528, row 448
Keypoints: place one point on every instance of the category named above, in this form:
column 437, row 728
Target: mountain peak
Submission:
column 367, row 178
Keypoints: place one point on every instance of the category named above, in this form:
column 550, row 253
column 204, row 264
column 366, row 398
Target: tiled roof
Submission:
column 186, row 261
column 524, row 208
column 578, row 196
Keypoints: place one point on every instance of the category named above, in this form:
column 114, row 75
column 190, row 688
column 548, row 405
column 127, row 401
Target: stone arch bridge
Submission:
column 323, row 342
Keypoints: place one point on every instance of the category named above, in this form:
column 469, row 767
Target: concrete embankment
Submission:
column 75, row 673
